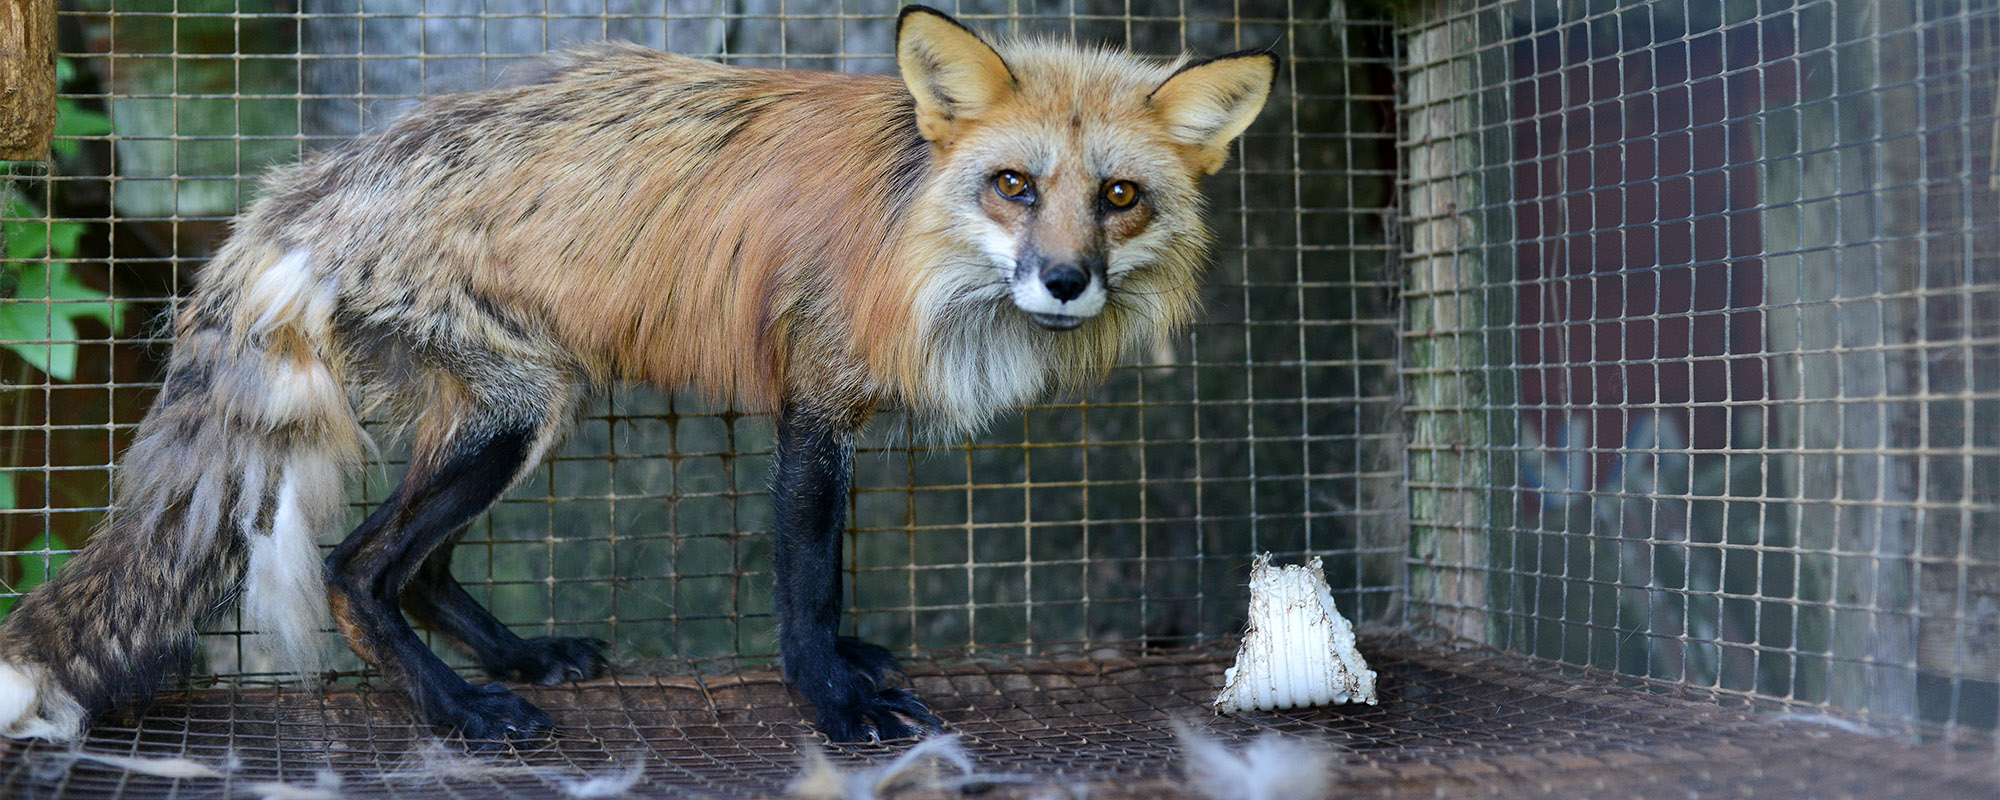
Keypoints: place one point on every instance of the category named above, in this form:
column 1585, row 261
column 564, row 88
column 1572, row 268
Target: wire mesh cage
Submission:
column 1701, row 397
column 1628, row 364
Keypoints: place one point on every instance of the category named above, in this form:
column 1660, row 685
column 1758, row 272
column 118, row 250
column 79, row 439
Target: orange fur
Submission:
column 765, row 235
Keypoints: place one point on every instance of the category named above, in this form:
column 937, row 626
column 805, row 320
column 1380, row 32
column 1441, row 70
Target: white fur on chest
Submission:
column 980, row 365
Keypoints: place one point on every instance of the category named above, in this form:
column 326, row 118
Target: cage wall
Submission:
column 1702, row 348
column 1123, row 516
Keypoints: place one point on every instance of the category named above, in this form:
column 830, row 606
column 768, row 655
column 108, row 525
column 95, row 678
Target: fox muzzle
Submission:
column 1059, row 294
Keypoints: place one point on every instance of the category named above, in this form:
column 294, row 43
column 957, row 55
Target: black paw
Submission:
column 870, row 660
column 493, row 713
column 855, row 698
column 880, row 715
column 551, row 660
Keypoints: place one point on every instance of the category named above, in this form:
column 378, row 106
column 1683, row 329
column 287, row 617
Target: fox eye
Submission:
column 1013, row 185
column 1121, row 194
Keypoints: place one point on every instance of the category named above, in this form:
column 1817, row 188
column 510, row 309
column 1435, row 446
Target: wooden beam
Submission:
column 27, row 79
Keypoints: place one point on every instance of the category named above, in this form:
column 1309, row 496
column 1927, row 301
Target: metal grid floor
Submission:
column 1463, row 723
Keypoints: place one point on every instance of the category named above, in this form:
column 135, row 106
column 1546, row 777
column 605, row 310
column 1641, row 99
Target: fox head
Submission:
column 1074, row 172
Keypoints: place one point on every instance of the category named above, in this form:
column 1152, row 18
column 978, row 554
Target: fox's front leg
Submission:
column 845, row 679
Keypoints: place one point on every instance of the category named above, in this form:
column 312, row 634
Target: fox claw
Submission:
column 890, row 714
column 856, row 701
column 550, row 660
column 491, row 713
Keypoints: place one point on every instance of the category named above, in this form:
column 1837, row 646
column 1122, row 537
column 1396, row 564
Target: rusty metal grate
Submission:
column 1465, row 723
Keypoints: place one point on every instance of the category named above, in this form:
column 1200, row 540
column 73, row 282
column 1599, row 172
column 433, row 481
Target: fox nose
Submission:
column 1065, row 281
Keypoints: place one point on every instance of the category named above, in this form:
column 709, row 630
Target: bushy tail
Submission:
column 240, row 464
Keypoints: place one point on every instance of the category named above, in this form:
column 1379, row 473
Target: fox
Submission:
column 1001, row 219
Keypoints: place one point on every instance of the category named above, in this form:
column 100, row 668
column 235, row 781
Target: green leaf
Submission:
column 36, row 568
column 63, row 238
column 39, row 568
column 27, row 239
column 34, row 239
column 64, row 285
column 47, row 341
column 75, row 120
column 55, row 281
column 44, row 334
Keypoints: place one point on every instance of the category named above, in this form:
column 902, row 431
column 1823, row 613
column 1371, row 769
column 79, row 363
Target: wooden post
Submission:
column 27, row 78
column 1455, row 331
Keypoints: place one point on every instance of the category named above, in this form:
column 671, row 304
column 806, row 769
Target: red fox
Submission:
column 1002, row 220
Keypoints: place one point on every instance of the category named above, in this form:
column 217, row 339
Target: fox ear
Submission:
column 1209, row 103
column 952, row 73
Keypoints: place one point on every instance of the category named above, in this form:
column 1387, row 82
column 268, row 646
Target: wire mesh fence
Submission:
column 1702, row 335
column 1122, row 515
column 1652, row 337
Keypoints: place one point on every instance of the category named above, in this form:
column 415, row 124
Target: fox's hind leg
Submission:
column 435, row 598
column 467, row 455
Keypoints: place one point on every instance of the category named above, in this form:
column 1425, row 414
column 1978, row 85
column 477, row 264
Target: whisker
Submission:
column 1153, row 293
column 1144, row 313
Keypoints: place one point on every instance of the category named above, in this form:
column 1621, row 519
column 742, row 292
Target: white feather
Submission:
column 609, row 784
column 916, row 771
column 325, row 786
column 156, row 767
column 436, row 761
column 1274, row 767
column 1825, row 720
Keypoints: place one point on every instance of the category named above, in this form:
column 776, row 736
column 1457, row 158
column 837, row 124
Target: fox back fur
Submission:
column 998, row 222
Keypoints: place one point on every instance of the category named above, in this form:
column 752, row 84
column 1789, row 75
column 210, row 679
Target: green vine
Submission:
column 42, row 300
column 45, row 298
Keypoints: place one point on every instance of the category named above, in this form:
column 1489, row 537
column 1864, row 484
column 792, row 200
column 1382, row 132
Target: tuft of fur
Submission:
column 433, row 761
column 614, row 783
column 158, row 767
column 30, row 708
column 1800, row 718
column 325, row 786
column 284, row 593
column 1273, row 767
column 917, row 770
